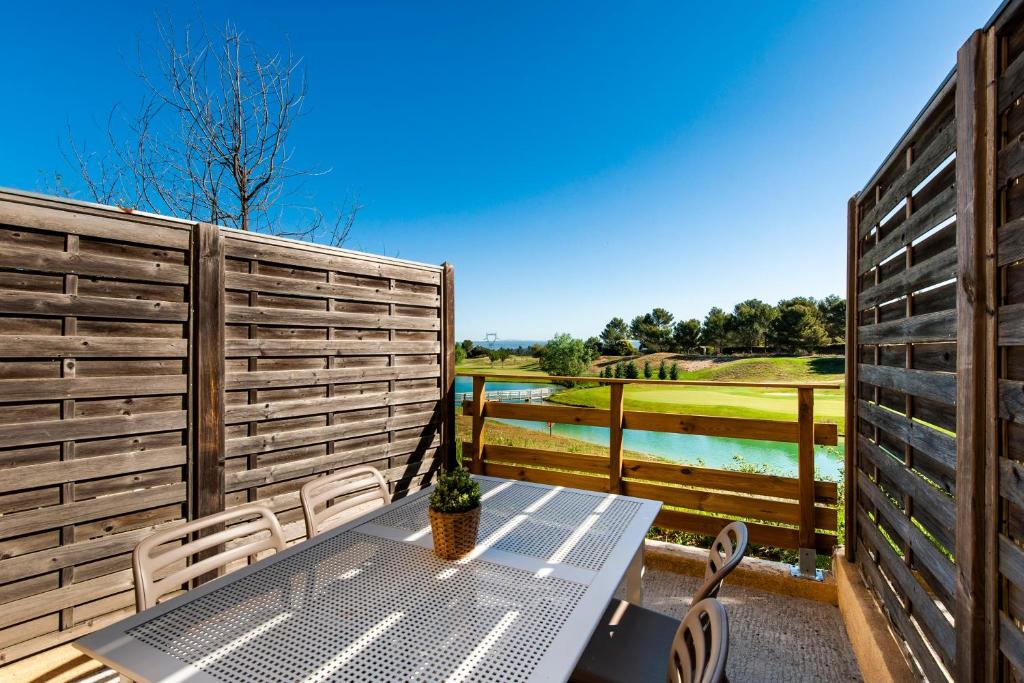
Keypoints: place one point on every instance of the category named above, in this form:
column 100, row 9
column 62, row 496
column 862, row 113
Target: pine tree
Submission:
column 620, row 369
column 662, row 371
column 632, row 372
column 647, row 369
column 673, row 373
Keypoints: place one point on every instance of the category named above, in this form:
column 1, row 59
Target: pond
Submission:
column 710, row 451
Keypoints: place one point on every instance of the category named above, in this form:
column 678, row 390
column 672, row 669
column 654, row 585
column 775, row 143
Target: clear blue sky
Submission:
column 574, row 161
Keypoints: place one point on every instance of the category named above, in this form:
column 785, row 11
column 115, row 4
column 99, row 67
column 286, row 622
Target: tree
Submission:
column 653, row 330
column 620, row 370
column 798, row 326
column 501, row 355
column 594, row 346
column 715, row 328
column 750, row 322
column 647, row 369
column 211, row 139
column 673, row 373
column 565, row 356
column 460, row 355
column 662, row 370
column 833, row 317
column 686, row 336
column 631, row 371
column 615, row 338
column 467, row 346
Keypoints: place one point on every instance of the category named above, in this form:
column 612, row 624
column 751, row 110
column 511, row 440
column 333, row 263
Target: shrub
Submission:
column 647, row 369
column 673, row 372
column 662, row 371
column 632, row 372
column 620, row 370
column 456, row 491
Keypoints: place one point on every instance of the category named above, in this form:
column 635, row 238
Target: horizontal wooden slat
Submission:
column 263, row 410
column 940, row 208
column 593, row 417
column 1011, row 325
column 1011, row 83
column 242, row 348
column 42, row 303
column 310, row 256
column 928, row 327
column 494, row 376
column 42, row 346
column 1011, row 481
column 726, row 480
column 732, row 427
column 296, row 317
column 56, row 516
column 924, row 550
column 66, row 596
column 40, row 389
column 1011, row 561
column 930, row 441
column 577, row 462
column 1011, row 400
column 62, row 262
column 102, row 223
column 1011, row 642
column 54, row 431
column 262, row 443
column 550, row 477
column 761, row 534
column 932, row 271
column 284, row 285
column 926, row 160
column 269, row 379
column 1010, row 247
column 57, row 472
column 936, row 386
column 728, row 504
column 1010, row 161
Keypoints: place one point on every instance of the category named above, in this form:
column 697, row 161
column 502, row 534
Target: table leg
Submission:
column 635, row 578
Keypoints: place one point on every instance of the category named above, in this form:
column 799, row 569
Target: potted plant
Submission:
column 454, row 514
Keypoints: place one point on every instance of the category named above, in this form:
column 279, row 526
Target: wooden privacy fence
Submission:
column 935, row 484
column 153, row 370
column 787, row 512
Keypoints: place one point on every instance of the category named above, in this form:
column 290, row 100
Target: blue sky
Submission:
column 575, row 161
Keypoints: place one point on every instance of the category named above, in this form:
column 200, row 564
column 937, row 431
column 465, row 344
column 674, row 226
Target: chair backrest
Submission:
column 726, row 552
column 165, row 548
column 316, row 494
column 701, row 645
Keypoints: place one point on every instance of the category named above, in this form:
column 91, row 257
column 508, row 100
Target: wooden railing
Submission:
column 795, row 513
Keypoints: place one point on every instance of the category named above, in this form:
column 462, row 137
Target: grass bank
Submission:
column 528, row 366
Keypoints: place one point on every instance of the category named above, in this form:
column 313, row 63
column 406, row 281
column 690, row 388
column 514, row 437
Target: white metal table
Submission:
column 369, row 601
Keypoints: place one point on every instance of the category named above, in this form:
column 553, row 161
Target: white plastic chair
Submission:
column 164, row 549
column 701, row 646
column 726, row 552
column 317, row 493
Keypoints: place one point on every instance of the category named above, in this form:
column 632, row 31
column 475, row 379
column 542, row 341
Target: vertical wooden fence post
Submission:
column 805, row 455
column 448, row 365
column 977, row 632
column 476, row 465
column 207, row 489
column 851, row 466
column 615, row 406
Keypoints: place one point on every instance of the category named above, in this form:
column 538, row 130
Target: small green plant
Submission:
column 455, row 492
column 673, row 372
column 647, row 369
column 632, row 371
column 620, row 370
column 662, row 371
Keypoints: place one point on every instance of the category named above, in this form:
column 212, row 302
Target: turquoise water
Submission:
column 710, row 451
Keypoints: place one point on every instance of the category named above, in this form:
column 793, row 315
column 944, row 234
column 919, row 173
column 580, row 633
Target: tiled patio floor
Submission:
column 772, row 637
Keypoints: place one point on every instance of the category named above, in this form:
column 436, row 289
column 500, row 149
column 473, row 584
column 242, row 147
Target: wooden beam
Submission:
column 805, row 466
column 448, row 364
column 207, row 494
column 852, row 384
column 976, row 634
column 615, row 437
column 479, row 406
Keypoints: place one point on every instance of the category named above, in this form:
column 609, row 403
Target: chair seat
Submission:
column 629, row 644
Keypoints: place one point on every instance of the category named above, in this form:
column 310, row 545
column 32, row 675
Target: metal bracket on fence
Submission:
column 806, row 568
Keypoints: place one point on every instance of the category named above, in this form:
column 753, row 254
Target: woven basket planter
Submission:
column 454, row 532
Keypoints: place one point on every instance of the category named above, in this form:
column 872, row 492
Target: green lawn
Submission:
column 514, row 365
column 771, row 404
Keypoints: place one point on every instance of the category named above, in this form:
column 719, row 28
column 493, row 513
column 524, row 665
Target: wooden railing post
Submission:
column 805, row 464
column 448, row 365
column 615, row 406
column 479, row 399
column 207, row 486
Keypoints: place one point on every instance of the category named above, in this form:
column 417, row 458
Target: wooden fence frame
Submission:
column 701, row 493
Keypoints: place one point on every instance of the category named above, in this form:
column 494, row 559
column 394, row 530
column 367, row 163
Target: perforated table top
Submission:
column 369, row 601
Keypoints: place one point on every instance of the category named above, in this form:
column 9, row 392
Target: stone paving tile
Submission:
column 772, row 637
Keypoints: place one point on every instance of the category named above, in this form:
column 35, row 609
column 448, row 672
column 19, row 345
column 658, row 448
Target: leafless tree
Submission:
column 209, row 141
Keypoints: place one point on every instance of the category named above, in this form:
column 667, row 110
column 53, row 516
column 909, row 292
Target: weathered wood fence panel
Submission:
column 153, row 370
column 936, row 504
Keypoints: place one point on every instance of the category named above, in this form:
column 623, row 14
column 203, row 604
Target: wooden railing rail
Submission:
column 698, row 499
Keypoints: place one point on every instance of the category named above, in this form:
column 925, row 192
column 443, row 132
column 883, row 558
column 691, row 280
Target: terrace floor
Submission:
column 773, row 637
